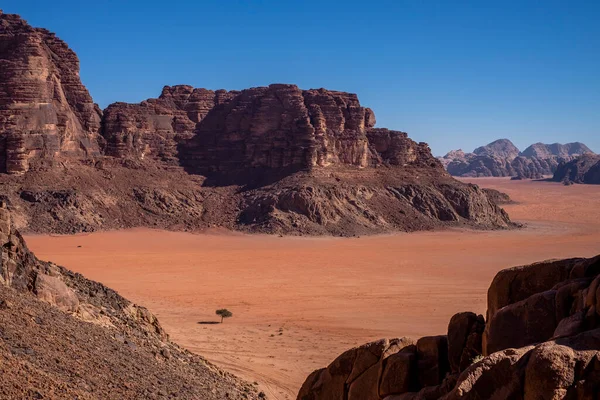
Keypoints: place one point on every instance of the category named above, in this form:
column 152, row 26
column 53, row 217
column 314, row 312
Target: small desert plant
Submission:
column 224, row 313
column 476, row 359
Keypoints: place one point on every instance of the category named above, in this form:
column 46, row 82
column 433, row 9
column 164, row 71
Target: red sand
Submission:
column 299, row 302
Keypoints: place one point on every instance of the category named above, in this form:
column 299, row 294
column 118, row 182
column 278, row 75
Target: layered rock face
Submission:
column 65, row 337
column 502, row 158
column 279, row 127
column 45, row 112
column 154, row 128
column 585, row 169
column 541, row 339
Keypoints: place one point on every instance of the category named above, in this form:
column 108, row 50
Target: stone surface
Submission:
column 46, row 114
column 465, row 332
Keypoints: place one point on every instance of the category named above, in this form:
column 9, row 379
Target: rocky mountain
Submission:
column 64, row 337
column 541, row 150
column 502, row 158
column 540, row 339
column 274, row 159
column 501, row 148
column 584, row 169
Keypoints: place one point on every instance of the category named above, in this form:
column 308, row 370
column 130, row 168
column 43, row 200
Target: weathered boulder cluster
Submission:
column 503, row 158
column 540, row 340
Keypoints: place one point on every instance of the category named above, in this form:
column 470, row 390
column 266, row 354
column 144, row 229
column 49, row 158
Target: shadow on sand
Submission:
column 208, row 322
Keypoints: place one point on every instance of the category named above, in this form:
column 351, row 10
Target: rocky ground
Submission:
column 540, row 339
column 63, row 337
column 334, row 201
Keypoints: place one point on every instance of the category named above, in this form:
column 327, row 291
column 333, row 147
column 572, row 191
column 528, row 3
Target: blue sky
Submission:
column 455, row 74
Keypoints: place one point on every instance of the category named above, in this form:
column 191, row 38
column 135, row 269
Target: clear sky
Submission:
column 455, row 74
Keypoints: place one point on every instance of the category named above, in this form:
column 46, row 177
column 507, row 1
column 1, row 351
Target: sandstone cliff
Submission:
column 502, row 158
column 539, row 340
column 274, row 159
column 66, row 337
column 46, row 114
column 585, row 169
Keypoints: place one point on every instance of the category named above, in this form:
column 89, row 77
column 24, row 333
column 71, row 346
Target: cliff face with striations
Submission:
column 45, row 112
column 539, row 340
column 274, row 127
column 154, row 128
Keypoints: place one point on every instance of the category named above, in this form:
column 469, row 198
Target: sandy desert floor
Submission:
column 299, row 302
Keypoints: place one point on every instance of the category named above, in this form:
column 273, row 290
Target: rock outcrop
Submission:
column 584, row 169
column 540, row 340
column 502, row 158
column 279, row 127
column 46, row 114
column 274, row 159
column 63, row 337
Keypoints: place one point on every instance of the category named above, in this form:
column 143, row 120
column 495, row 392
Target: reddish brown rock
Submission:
column 45, row 112
column 154, row 128
column 465, row 332
column 543, row 342
column 432, row 360
column 400, row 373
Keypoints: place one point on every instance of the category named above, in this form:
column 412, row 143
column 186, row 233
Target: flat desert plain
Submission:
column 299, row 302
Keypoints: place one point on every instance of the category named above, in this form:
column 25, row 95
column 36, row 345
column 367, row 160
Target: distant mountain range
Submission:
column 503, row 158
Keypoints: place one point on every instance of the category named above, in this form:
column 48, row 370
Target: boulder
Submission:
column 465, row 332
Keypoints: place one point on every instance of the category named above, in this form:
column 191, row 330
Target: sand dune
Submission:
column 298, row 302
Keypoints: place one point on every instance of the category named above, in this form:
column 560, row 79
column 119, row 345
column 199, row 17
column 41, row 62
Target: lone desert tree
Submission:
column 224, row 313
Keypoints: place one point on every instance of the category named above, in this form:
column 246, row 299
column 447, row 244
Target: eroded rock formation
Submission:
column 540, row 340
column 274, row 159
column 46, row 114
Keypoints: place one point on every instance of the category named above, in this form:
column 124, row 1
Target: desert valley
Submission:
column 356, row 265
column 298, row 302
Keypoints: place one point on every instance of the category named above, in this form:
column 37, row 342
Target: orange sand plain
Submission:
column 299, row 302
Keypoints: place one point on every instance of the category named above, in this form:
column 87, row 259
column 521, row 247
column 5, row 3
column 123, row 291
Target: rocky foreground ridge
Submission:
column 503, row 158
column 64, row 337
column 540, row 339
column 273, row 159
